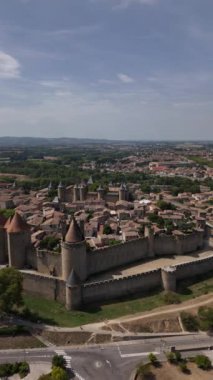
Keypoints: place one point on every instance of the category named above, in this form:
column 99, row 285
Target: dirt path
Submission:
column 187, row 305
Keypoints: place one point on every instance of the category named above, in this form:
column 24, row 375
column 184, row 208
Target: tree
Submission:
column 107, row 229
column 163, row 205
column 10, row 289
column 58, row 361
column 7, row 212
column 49, row 242
column 59, row 373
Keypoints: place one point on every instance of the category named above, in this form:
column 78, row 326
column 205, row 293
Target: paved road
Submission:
column 106, row 362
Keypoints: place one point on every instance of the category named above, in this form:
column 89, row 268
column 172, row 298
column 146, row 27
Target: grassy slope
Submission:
column 52, row 312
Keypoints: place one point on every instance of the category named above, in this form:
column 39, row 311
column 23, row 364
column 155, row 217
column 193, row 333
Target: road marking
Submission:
column 68, row 359
column 135, row 354
column 138, row 354
column 108, row 362
column 79, row 376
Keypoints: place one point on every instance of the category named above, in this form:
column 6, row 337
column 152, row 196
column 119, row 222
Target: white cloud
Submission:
column 9, row 66
column 125, row 78
column 126, row 3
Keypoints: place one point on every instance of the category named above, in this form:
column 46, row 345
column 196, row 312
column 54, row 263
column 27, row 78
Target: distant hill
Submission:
column 41, row 141
column 8, row 141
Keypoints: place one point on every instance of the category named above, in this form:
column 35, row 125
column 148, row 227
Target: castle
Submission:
column 81, row 193
column 69, row 276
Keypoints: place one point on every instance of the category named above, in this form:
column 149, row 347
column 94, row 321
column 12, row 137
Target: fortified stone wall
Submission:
column 192, row 242
column 43, row 286
column 32, row 258
column 209, row 234
column 164, row 245
column 49, row 262
column 171, row 245
column 110, row 289
column 194, row 268
column 108, row 258
column 116, row 288
column 111, row 257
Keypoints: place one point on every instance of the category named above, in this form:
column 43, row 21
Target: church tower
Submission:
column 122, row 192
column 61, row 192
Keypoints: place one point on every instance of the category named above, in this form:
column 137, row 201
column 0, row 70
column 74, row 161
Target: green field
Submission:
column 54, row 313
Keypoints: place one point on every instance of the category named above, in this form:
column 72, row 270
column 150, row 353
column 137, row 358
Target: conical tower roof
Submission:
column 100, row 188
column 8, row 221
column 2, row 220
column 122, row 187
column 60, row 185
column 73, row 279
column 18, row 224
column 74, row 234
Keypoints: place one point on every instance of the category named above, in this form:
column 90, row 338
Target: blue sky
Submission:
column 121, row 69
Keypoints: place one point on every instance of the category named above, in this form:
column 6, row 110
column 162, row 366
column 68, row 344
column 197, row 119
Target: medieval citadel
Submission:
column 78, row 276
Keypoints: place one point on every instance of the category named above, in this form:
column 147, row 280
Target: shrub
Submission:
column 171, row 357
column 178, row 356
column 183, row 367
column 174, row 357
column 143, row 371
column 153, row 359
column 206, row 318
column 203, row 362
column 190, row 322
column 171, row 298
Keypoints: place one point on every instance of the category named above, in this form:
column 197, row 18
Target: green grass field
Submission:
column 54, row 313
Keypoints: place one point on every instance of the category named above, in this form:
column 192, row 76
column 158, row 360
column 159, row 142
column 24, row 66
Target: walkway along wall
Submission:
column 108, row 258
column 116, row 288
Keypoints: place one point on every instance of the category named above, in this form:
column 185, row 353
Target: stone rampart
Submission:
column 143, row 282
column 44, row 286
column 116, row 288
column 108, row 258
column 194, row 268
column 164, row 245
column 32, row 259
column 49, row 262
column 178, row 245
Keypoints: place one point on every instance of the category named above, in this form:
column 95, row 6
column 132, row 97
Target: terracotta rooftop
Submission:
column 17, row 224
column 74, row 234
column 8, row 221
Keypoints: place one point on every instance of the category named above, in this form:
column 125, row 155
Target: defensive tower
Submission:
column 19, row 240
column 74, row 256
